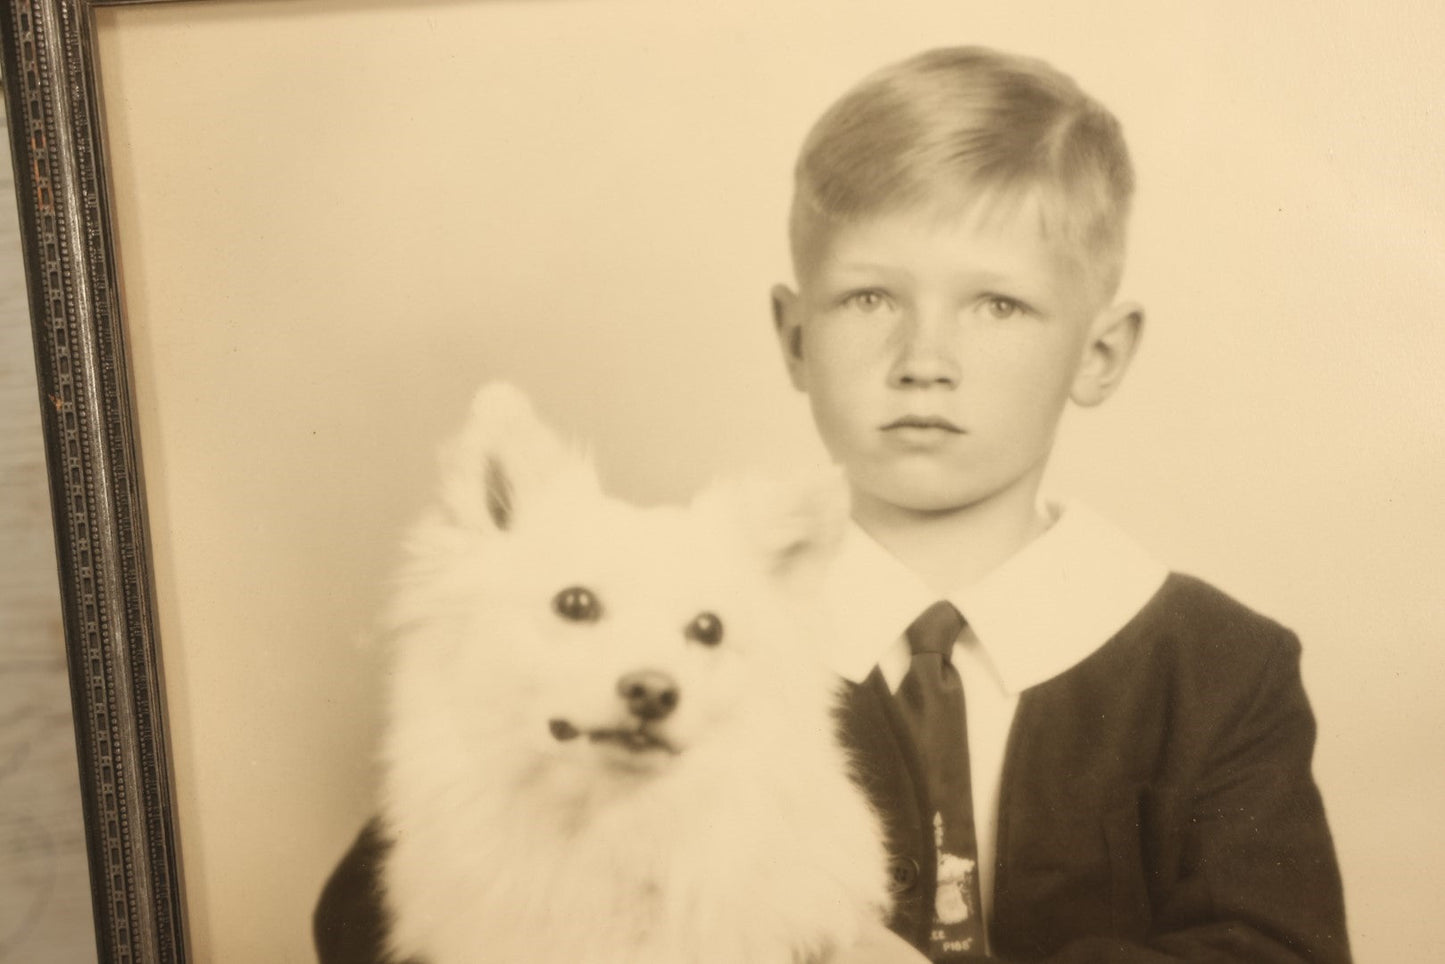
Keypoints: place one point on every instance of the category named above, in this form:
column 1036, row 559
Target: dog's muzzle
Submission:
column 649, row 696
column 563, row 731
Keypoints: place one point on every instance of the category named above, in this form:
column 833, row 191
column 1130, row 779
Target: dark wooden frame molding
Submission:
column 57, row 140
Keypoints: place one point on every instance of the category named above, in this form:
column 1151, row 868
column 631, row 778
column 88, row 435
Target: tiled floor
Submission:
column 44, row 889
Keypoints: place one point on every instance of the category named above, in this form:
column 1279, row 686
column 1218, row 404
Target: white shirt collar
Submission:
column 1051, row 604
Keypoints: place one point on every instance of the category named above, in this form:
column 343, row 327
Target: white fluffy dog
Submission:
column 610, row 740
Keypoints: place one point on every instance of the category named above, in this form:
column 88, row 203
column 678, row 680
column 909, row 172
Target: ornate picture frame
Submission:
column 57, row 139
column 86, row 361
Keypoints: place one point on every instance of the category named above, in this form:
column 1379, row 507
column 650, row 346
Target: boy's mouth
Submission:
column 923, row 422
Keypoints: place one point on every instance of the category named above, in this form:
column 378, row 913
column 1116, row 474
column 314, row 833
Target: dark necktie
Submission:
column 931, row 701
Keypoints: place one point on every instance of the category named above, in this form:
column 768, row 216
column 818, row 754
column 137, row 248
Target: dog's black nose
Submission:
column 649, row 695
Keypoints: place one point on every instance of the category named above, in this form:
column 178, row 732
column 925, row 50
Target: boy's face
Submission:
column 938, row 356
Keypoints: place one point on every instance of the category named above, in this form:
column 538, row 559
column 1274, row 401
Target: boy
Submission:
column 1135, row 747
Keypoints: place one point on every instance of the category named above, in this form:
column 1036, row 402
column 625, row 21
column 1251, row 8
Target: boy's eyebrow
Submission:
column 867, row 266
column 977, row 276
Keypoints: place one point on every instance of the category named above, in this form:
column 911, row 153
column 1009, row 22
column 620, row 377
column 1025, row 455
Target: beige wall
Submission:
column 337, row 218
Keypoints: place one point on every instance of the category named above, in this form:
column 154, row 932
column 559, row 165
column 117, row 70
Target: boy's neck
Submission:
column 952, row 549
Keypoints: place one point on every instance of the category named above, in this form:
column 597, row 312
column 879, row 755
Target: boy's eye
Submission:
column 1002, row 308
column 866, row 301
column 705, row 628
column 577, row 604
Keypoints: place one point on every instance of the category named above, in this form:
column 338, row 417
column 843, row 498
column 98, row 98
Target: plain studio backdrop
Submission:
column 337, row 218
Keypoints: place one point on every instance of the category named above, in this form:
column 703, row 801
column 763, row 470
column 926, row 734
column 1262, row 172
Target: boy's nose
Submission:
column 925, row 356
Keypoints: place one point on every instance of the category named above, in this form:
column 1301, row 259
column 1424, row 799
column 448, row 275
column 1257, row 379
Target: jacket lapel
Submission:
column 887, row 767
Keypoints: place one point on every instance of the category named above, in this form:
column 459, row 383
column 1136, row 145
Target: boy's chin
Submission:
column 926, row 499
column 898, row 500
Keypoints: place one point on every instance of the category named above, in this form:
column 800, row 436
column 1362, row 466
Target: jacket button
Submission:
column 904, row 871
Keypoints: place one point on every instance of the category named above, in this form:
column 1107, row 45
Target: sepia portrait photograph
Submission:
column 792, row 482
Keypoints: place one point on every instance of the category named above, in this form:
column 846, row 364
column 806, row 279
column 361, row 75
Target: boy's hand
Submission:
column 879, row 945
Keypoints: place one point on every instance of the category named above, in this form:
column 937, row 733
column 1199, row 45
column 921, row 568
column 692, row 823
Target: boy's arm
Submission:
column 349, row 922
column 1258, row 880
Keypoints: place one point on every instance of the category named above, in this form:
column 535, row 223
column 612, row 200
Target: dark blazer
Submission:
column 1156, row 805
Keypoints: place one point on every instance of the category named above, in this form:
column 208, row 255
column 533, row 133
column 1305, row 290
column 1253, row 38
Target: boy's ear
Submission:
column 1113, row 340
column 788, row 326
column 494, row 468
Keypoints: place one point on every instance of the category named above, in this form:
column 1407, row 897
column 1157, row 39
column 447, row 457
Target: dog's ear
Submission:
column 794, row 521
column 501, row 460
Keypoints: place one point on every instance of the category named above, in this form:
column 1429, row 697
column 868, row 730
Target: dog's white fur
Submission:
column 749, row 844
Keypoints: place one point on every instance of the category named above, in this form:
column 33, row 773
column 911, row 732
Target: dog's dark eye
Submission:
column 578, row 604
column 705, row 628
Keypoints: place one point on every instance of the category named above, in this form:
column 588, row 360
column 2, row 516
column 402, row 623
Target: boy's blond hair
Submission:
column 957, row 129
